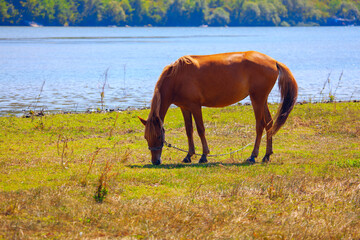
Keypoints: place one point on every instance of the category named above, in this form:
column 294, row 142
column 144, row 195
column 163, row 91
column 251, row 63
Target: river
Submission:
column 71, row 62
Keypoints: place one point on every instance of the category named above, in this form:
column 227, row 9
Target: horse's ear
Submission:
column 143, row 121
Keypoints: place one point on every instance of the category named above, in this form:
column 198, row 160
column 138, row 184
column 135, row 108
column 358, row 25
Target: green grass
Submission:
column 310, row 189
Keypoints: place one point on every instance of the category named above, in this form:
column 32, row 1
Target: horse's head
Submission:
column 155, row 136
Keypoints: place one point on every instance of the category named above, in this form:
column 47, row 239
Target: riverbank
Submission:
column 52, row 167
column 41, row 113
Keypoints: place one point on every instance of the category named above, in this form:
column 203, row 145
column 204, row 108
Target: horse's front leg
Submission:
column 189, row 133
column 201, row 131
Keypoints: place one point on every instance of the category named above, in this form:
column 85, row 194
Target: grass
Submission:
column 52, row 167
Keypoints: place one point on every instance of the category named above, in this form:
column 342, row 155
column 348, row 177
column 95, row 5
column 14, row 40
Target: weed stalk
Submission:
column 91, row 164
column 102, row 93
column 63, row 153
column 113, row 127
column 37, row 99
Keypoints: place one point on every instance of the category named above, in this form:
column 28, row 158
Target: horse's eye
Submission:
column 159, row 137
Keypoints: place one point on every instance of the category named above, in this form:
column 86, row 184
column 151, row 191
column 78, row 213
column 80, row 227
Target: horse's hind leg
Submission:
column 269, row 123
column 196, row 111
column 189, row 133
column 258, row 107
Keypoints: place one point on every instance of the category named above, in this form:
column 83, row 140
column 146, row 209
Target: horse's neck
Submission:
column 164, row 106
column 164, row 88
column 160, row 105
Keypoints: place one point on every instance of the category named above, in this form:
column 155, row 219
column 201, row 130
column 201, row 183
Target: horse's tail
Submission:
column 289, row 90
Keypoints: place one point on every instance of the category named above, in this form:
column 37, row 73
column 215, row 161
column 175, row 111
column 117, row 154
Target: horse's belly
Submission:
column 225, row 96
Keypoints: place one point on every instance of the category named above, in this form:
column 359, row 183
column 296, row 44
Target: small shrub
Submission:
column 100, row 193
column 102, row 189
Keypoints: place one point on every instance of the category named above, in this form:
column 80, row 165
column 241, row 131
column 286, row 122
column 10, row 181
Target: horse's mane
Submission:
column 170, row 70
column 173, row 69
column 178, row 64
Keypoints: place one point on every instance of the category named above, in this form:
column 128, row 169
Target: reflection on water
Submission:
column 72, row 62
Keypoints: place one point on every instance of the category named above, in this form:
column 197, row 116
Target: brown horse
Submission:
column 216, row 81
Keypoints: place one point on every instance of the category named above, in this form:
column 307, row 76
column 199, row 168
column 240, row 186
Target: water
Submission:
column 72, row 61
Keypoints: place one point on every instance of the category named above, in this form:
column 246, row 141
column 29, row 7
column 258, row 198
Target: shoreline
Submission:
column 41, row 113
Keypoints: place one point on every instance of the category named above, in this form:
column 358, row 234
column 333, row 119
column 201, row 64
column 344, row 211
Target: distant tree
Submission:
column 301, row 11
column 348, row 10
column 198, row 13
column 216, row 3
column 4, row 14
column 47, row 12
column 236, row 8
column 154, row 13
column 334, row 6
column 126, row 6
column 268, row 14
column 176, row 14
column 219, row 17
column 31, row 10
column 250, row 14
column 91, row 12
column 114, row 14
column 137, row 13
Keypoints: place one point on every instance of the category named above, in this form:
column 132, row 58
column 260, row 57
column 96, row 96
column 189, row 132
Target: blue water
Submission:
column 72, row 61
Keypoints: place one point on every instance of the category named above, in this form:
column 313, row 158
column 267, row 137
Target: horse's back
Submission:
column 233, row 57
column 222, row 79
column 233, row 66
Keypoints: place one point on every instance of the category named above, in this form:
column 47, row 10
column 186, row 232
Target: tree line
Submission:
column 179, row 12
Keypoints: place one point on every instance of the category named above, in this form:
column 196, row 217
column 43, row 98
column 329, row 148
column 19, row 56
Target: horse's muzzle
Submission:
column 156, row 162
column 156, row 157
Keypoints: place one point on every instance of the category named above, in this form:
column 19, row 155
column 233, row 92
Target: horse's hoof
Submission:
column 266, row 159
column 187, row 159
column 203, row 159
column 251, row 160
